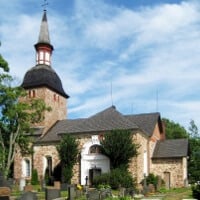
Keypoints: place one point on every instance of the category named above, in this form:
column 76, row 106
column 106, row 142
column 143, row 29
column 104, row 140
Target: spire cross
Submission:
column 45, row 4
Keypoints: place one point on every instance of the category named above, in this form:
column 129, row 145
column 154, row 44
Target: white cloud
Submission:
column 142, row 52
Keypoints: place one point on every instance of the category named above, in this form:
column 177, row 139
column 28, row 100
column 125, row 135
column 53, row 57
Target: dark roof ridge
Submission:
column 139, row 114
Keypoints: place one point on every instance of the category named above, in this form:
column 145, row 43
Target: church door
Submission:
column 93, row 173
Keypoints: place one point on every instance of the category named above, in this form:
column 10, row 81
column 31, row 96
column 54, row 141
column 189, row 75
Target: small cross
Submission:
column 45, row 4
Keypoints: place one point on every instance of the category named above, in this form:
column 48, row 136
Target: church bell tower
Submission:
column 41, row 81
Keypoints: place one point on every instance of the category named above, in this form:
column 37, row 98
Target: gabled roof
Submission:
column 106, row 120
column 145, row 121
column 171, row 148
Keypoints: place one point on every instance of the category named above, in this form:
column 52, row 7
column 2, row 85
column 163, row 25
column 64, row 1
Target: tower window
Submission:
column 31, row 93
column 56, row 97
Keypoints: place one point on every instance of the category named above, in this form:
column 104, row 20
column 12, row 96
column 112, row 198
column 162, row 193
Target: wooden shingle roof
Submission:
column 171, row 148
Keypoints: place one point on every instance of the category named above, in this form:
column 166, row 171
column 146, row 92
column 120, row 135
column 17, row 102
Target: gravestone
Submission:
column 3, row 182
column 93, row 195
column 129, row 192
column 5, row 193
column 28, row 196
column 105, row 194
column 71, row 192
column 52, row 193
column 28, row 188
column 122, row 192
column 151, row 188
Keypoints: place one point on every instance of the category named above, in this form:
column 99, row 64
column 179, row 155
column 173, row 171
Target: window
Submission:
column 95, row 149
column 26, row 167
column 31, row 93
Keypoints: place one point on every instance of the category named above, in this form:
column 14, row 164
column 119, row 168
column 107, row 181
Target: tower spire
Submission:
column 43, row 47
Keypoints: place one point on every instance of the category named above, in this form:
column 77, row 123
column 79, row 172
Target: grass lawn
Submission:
column 177, row 194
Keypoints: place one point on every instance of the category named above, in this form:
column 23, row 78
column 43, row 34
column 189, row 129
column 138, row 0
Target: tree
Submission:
column 68, row 152
column 16, row 118
column 3, row 63
column 174, row 130
column 194, row 152
column 119, row 147
column 193, row 130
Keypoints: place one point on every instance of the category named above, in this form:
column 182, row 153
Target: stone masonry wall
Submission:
column 40, row 154
column 52, row 99
column 56, row 102
column 173, row 166
column 136, row 166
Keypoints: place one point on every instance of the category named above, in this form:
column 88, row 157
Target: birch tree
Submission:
column 16, row 118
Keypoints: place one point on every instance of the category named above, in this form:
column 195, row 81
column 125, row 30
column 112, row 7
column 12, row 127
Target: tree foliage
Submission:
column 194, row 153
column 193, row 130
column 119, row 147
column 68, row 152
column 174, row 130
column 16, row 119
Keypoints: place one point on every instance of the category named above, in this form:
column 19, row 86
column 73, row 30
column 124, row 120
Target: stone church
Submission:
column 157, row 155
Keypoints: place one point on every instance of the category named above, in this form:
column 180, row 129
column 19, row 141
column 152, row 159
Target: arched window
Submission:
column 26, row 167
column 48, row 166
column 95, row 149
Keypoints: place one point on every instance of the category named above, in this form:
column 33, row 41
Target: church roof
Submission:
column 43, row 75
column 106, row 120
column 171, row 148
column 146, row 121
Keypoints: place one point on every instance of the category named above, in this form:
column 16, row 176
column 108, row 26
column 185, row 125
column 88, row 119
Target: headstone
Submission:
column 22, row 184
column 93, row 195
column 28, row 188
column 52, row 193
column 129, row 192
column 71, row 192
column 151, row 188
column 1, row 180
column 57, row 184
column 122, row 191
column 5, row 193
column 104, row 194
column 28, row 196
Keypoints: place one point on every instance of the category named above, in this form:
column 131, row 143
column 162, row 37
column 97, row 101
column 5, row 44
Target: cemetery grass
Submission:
column 176, row 193
column 172, row 194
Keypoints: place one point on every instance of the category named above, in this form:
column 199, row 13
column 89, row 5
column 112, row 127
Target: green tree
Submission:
column 68, row 152
column 119, row 147
column 3, row 63
column 174, row 130
column 16, row 118
column 194, row 153
column 193, row 130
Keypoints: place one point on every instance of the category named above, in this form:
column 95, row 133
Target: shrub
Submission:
column 116, row 178
column 103, row 179
column 34, row 177
column 151, row 179
column 121, row 177
column 196, row 191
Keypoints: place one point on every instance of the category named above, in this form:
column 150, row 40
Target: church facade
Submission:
column 157, row 155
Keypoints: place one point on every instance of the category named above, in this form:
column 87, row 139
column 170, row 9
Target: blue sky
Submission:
column 147, row 51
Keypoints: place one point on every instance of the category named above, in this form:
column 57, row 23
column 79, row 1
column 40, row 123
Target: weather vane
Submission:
column 44, row 5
